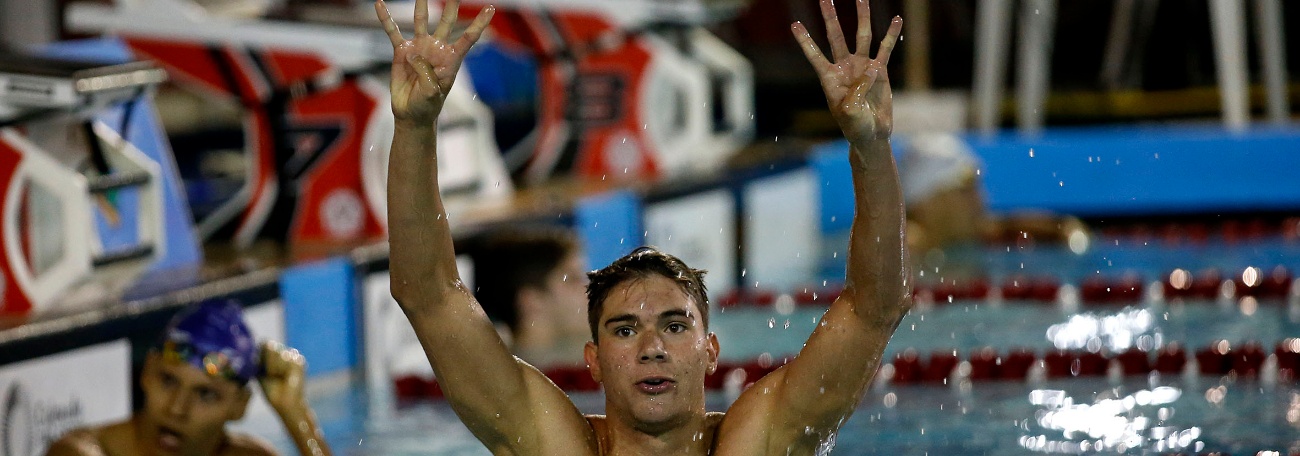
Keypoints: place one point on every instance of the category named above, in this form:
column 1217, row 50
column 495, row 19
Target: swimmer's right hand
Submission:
column 284, row 371
column 425, row 66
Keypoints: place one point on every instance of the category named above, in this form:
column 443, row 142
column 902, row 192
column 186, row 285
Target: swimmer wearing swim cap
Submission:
column 195, row 380
column 945, row 202
column 651, row 348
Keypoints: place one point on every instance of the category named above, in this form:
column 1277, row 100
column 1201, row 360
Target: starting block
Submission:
column 81, row 204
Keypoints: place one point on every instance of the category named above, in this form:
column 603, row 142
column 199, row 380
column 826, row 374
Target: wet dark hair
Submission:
column 642, row 263
column 507, row 260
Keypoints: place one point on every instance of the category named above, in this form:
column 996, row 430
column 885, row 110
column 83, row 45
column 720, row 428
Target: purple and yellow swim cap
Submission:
column 212, row 336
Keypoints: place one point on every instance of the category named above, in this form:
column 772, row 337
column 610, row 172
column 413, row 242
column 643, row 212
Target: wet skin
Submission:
column 653, row 355
column 185, row 409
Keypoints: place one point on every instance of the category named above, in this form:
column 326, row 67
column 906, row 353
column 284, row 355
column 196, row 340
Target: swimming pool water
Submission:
column 1152, row 414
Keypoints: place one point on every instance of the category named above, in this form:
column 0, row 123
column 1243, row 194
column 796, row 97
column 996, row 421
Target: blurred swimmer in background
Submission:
column 195, row 381
column 648, row 312
column 945, row 201
column 533, row 280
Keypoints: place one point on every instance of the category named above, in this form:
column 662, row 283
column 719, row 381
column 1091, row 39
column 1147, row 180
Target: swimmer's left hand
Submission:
column 284, row 370
column 856, row 85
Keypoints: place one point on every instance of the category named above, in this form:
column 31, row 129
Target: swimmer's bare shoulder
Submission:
column 80, row 442
column 597, row 422
column 109, row 440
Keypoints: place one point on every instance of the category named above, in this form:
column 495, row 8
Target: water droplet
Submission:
column 1031, row 153
column 771, row 323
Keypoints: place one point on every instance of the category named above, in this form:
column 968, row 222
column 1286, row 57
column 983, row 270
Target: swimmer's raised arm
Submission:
column 808, row 399
column 284, row 372
column 508, row 405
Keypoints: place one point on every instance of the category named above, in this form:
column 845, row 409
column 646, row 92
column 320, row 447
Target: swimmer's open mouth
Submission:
column 655, row 384
column 169, row 440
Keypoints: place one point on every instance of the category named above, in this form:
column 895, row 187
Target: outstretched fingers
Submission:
column 390, row 27
column 864, row 27
column 809, row 48
column 475, row 29
column 834, row 34
column 450, row 10
column 891, row 38
column 421, row 17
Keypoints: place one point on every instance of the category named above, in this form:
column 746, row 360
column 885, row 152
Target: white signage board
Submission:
column 701, row 230
column 43, row 398
column 781, row 237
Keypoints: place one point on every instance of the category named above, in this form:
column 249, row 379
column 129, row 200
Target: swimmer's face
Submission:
column 653, row 355
column 185, row 410
column 566, row 289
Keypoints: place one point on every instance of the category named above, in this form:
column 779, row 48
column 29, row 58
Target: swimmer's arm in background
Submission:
column 807, row 400
column 80, row 442
column 283, row 374
column 508, row 405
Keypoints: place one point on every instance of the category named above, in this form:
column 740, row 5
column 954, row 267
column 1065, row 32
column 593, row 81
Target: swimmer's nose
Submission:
column 178, row 404
column 652, row 350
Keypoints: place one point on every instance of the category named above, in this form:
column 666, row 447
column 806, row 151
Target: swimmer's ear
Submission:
column 589, row 353
column 713, row 348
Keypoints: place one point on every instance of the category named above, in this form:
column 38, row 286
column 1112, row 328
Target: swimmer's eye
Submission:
column 168, row 381
column 209, row 396
column 677, row 327
column 623, row 331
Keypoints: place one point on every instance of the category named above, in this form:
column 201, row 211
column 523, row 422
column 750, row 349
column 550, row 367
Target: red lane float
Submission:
column 983, row 364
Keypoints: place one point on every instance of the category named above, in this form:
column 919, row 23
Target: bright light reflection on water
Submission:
column 1109, row 424
column 1117, row 332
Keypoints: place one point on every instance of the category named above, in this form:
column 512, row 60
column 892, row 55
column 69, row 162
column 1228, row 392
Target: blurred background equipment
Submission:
column 82, row 204
column 315, row 122
column 623, row 89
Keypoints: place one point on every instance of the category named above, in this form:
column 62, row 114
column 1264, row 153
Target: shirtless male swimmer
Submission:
column 651, row 348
